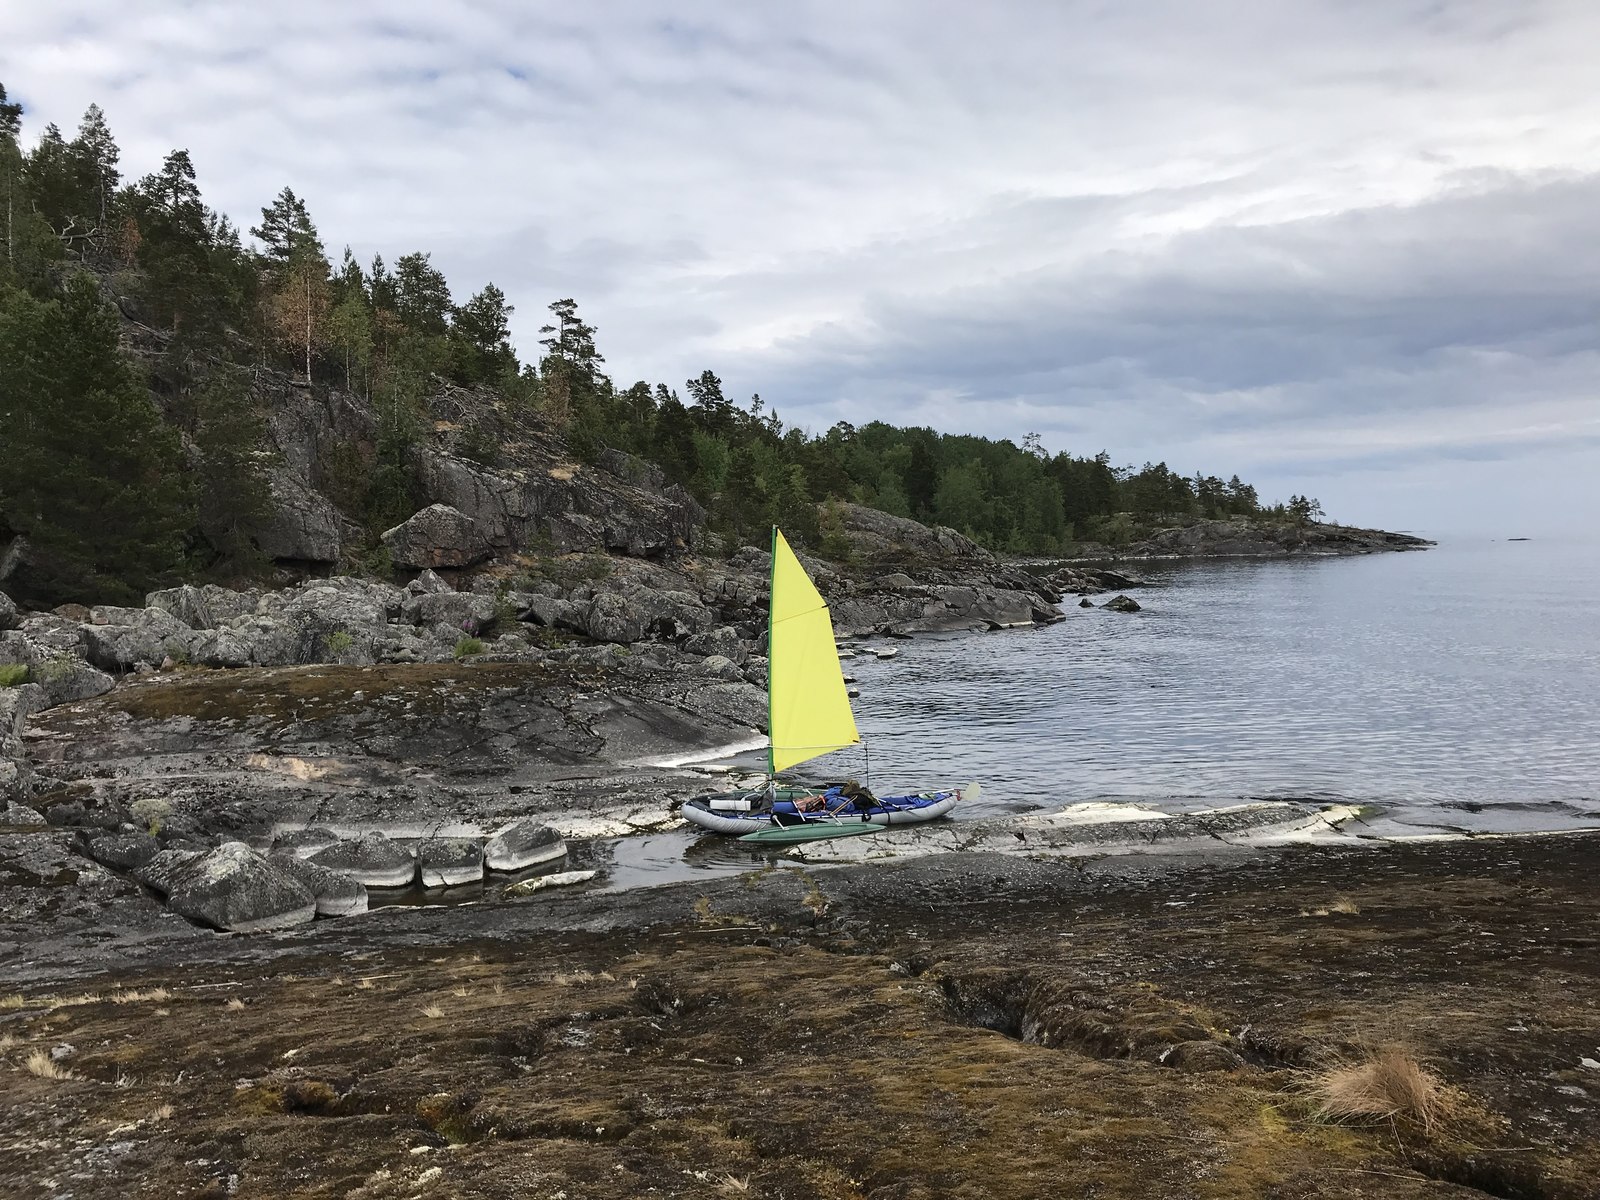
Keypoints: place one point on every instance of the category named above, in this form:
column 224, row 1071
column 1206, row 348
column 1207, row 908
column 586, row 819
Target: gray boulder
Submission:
column 121, row 638
column 447, row 862
column 236, row 648
column 521, row 844
column 546, row 610
column 240, row 891
column 304, row 526
column 162, row 871
column 17, row 649
column 610, row 617
column 721, row 667
column 54, row 634
column 9, row 617
column 724, row 641
column 16, row 815
column 371, row 859
column 187, row 603
column 428, row 584
column 1122, row 604
column 121, row 849
column 17, row 704
column 225, row 604
column 438, row 536
column 336, row 894
column 66, row 679
column 461, row 612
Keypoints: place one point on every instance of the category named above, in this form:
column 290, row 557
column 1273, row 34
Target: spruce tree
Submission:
column 90, row 475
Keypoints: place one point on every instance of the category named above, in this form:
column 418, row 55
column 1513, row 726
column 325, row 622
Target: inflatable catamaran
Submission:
column 808, row 715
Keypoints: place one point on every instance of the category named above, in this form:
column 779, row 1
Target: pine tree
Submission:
column 481, row 334
column 174, row 245
column 287, row 231
column 90, row 476
column 422, row 297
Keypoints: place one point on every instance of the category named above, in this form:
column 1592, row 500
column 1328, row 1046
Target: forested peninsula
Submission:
column 186, row 399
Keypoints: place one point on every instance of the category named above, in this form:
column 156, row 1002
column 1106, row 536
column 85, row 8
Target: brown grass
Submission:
column 41, row 1064
column 433, row 1011
column 235, row 1005
column 1388, row 1084
column 156, row 994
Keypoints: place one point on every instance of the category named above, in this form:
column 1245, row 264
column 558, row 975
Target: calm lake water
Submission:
column 1457, row 687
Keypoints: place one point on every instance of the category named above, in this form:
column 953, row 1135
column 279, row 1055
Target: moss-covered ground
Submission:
column 1150, row 1040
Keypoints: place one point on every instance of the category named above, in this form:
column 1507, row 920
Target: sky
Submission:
column 1342, row 248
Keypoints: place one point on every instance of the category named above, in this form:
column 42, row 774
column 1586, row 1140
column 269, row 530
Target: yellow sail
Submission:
column 808, row 711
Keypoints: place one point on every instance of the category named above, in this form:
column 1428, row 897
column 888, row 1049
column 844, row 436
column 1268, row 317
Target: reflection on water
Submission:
column 469, row 893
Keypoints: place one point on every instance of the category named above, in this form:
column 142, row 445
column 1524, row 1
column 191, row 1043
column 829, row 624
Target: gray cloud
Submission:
column 1304, row 241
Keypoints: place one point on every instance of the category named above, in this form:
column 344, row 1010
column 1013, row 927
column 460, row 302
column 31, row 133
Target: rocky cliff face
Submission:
column 540, row 498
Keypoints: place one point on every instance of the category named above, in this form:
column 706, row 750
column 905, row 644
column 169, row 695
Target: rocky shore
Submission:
column 1244, row 537
column 967, row 1025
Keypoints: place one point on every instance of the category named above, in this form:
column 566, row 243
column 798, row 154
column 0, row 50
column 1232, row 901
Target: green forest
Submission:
column 133, row 318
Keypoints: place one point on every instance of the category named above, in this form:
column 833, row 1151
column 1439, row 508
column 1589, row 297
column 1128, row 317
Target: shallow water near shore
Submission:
column 1456, row 688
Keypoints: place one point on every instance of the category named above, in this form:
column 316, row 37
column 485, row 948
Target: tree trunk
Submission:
column 308, row 328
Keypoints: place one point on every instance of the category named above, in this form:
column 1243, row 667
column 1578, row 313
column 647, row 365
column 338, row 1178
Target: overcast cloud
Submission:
column 1351, row 248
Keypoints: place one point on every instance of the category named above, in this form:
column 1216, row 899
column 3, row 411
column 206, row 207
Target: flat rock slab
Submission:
column 236, row 889
column 449, row 862
column 521, row 844
column 371, row 859
column 303, row 843
column 336, row 894
column 538, row 884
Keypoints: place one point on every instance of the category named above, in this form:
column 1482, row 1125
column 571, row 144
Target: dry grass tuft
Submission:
column 1343, row 904
column 234, row 1005
column 1389, row 1084
column 461, row 993
column 41, row 1064
column 157, row 994
column 55, row 1002
column 16, row 1000
column 8, row 1040
column 572, row 978
column 433, row 1010
column 730, row 1186
column 162, row 1113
